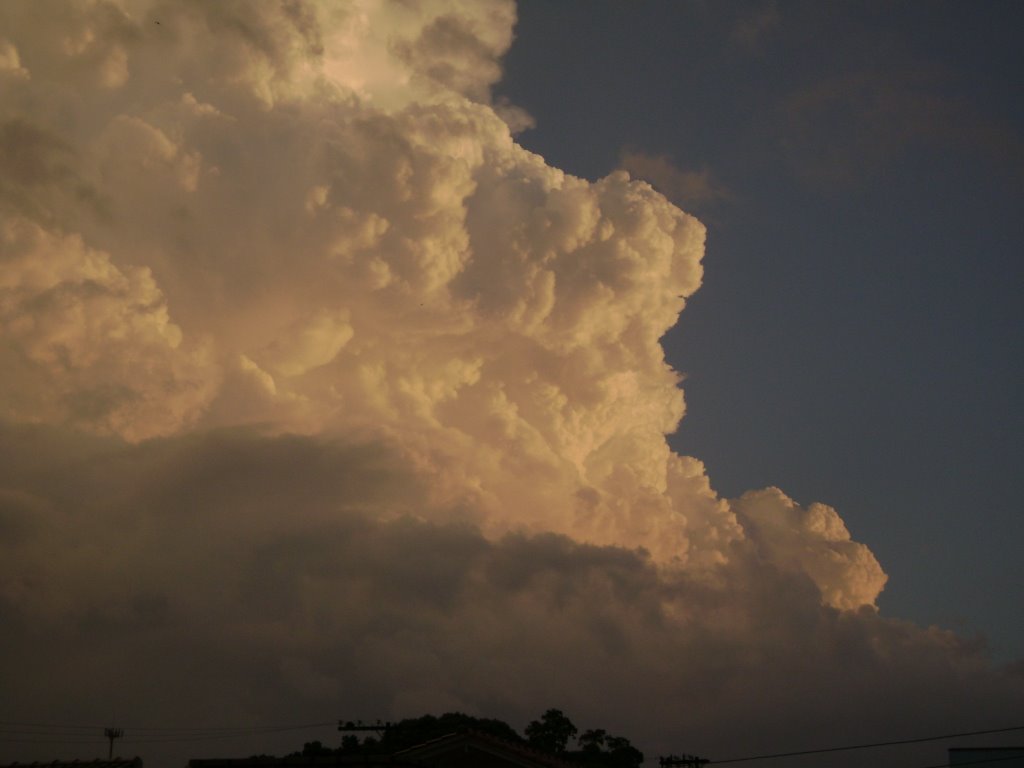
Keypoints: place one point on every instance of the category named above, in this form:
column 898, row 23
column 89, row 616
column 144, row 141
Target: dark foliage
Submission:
column 409, row 733
column 551, row 734
column 315, row 749
column 600, row 750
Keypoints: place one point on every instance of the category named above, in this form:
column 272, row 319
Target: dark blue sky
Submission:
column 858, row 339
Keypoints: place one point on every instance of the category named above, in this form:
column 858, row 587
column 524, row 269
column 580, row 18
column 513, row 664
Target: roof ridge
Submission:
column 521, row 747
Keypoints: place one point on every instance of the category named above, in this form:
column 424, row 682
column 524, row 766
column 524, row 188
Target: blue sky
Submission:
column 857, row 339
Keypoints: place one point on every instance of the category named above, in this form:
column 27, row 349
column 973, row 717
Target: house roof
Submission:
column 493, row 746
column 452, row 750
column 985, row 756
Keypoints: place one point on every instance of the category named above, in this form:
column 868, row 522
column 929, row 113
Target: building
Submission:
column 471, row 749
column 988, row 757
column 464, row 749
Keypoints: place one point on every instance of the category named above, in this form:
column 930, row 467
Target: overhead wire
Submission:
column 43, row 733
column 872, row 745
column 223, row 734
column 8, row 724
column 53, row 733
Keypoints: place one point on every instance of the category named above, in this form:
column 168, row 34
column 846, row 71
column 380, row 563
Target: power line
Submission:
column 9, row 724
column 50, row 733
column 53, row 733
column 868, row 746
column 166, row 738
column 5, row 723
column 36, row 732
column 51, row 740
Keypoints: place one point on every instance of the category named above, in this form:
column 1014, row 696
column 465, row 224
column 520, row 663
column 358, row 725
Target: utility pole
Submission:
column 112, row 733
column 682, row 761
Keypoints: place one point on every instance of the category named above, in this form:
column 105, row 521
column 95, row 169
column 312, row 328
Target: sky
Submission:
column 658, row 362
column 857, row 337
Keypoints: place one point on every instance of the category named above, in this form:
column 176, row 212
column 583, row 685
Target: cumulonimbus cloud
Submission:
column 285, row 305
column 280, row 239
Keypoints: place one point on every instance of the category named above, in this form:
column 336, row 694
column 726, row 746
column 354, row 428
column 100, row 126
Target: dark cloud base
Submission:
column 241, row 577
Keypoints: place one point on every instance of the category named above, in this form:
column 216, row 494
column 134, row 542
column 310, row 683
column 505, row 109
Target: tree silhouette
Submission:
column 551, row 733
column 621, row 753
column 413, row 731
column 315, row 749
column 592, row 740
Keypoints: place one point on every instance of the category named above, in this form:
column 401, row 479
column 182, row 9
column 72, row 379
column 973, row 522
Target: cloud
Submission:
column 693, row 189
column 311, row 254
column 813, row 541
column 755, row 26
column 872, row 115
column 321, row 391
column 257, row 577
column 10, row 61
column 89, row 344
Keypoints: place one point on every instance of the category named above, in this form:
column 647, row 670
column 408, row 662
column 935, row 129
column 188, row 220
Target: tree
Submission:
column 413, row 731
column 622, row 754
column 315, row 749
column 592, row 739
column 551, row 733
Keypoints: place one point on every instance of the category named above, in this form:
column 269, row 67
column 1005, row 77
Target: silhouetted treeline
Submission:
column 553, row 734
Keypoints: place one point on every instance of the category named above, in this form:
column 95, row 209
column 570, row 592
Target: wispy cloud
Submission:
column 691, row 190
column 843, row 127
column 756, row 25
